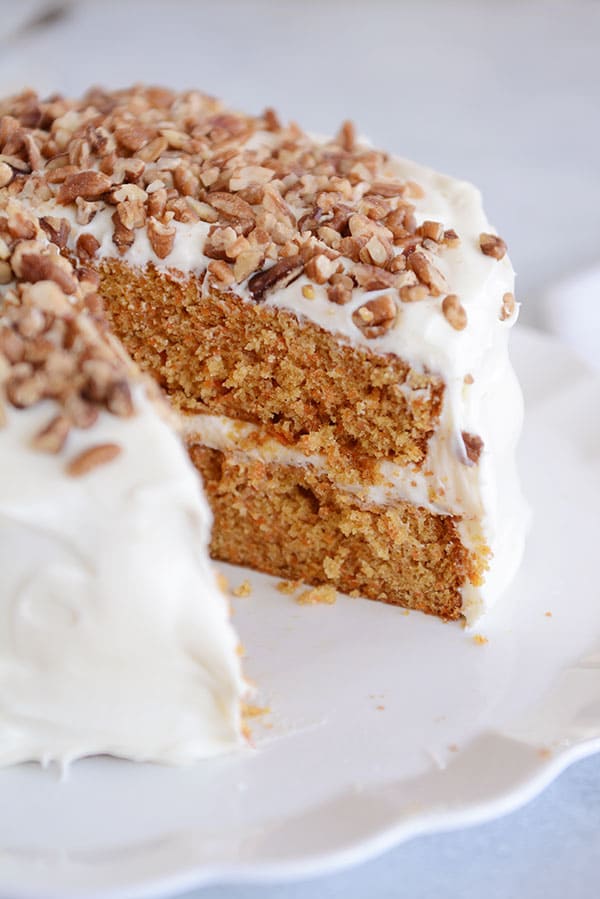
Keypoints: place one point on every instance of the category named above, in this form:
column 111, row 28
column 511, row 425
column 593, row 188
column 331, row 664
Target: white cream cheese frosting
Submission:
column 115, row 636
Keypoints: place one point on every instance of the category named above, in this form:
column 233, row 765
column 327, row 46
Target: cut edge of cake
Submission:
column 331, row 237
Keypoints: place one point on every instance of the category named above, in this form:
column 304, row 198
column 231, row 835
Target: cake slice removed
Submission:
column 114, row 634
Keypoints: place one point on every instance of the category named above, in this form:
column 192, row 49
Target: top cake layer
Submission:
column 387, row 253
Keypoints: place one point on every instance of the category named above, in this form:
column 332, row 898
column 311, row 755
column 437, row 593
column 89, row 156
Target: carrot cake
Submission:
column 329, row 322
column 115, row 636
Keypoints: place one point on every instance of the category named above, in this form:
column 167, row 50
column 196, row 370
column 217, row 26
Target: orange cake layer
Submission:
column 214, row 352
column 295, row 523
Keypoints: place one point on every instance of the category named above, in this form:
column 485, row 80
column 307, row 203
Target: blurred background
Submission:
column 505, row 94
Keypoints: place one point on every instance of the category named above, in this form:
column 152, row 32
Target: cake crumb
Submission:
column 548, row 614
column 222, row 581
column 453, row 747
column 308, row 292
column 244, row 589
column 254, row 711
column 288, row 587
column 480, row 640
column 405, row 612
column 544, row 752
column 325, row 594
column 380, row 708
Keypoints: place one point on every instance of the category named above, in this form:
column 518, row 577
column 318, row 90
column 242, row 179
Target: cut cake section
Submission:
column 318, row 306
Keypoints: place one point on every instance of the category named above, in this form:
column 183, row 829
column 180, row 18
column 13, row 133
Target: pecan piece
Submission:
column 427, row 272
column 35, row 267
column 492, row 245
column 473, row 445
column 161, row 237
column 53, row 436
column 122, row 237
column 90, row 185
column 57, row 229
column 376, row 316
column 87, row 246
column 508, row 306
column 91, row 458
column 372, row 277
column 454, row 312
column 231, row 206
column 277, row 277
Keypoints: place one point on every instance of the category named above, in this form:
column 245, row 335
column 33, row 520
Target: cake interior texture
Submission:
column 302, row 386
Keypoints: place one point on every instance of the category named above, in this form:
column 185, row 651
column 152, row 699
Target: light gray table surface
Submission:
column 504, row 94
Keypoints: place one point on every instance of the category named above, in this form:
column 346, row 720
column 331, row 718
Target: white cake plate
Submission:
column 383, row 725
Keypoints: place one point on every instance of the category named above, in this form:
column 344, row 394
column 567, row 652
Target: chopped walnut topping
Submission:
column 454, row 312
column 92, row 458
column 376, row 316
column 508, row 307
column 473, row 445
column 492, row 245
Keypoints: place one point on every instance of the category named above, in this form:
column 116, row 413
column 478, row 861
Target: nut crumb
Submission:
column 480, row 640
column 308, row 292
column 473, row 445
column 244, row 589
column 507, row 310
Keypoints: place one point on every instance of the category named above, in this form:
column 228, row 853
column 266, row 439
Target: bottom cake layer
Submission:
column 293, row 522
